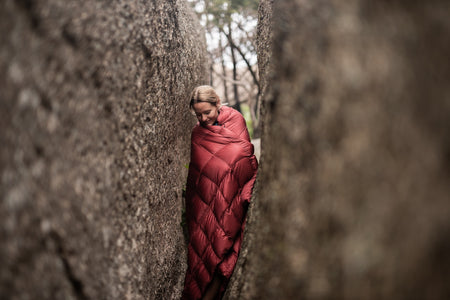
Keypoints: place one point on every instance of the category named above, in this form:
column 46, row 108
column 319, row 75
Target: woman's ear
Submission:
column 218, row 104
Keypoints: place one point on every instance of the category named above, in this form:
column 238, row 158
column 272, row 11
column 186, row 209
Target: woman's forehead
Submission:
column 203, row 106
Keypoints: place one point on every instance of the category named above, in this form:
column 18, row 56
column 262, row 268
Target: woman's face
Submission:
column 206, row 112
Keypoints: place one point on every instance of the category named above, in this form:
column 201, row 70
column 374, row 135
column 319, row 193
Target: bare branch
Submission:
column 249, row 66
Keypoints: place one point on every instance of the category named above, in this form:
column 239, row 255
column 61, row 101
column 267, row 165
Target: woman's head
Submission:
column 205, row 104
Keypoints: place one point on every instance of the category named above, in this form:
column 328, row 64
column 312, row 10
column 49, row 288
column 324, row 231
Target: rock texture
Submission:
column 353, row 194
column 94, row 139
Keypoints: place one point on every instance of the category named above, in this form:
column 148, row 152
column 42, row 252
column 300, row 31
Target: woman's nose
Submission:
column 204, row 118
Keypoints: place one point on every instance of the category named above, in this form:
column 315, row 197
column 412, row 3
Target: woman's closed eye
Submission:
column 204, row 113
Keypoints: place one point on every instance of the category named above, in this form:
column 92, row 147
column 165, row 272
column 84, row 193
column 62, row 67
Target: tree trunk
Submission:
column 237, row 104
column 224, row 71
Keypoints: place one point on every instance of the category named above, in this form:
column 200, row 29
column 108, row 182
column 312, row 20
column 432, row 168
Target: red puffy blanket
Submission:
column 221, row 176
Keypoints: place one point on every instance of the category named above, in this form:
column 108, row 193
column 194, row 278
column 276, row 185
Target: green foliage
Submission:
column 245, row 109
column 246, row 4
column 221, row 11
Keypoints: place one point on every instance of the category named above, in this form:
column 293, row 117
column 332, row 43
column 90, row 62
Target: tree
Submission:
column 230, row 27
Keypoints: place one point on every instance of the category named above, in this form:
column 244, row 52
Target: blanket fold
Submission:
column 221, row 176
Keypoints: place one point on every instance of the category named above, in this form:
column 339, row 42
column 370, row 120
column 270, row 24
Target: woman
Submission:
column 222, row 172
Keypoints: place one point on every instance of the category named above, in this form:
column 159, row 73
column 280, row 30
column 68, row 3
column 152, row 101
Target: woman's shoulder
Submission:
column 236, row 123
column 228, row 109
column 231, row 113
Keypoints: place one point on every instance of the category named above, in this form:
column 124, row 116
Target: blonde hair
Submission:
column 203, row 93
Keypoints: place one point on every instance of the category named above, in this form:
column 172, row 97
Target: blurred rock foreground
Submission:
column 94, row 138
column 352, row 199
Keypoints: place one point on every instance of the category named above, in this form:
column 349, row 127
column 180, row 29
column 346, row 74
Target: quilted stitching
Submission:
column 221, row 175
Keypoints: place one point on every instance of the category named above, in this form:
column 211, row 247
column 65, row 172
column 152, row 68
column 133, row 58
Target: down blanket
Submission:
column 221, row 176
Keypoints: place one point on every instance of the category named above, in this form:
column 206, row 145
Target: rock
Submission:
column 95, row 135
column 352, row 194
